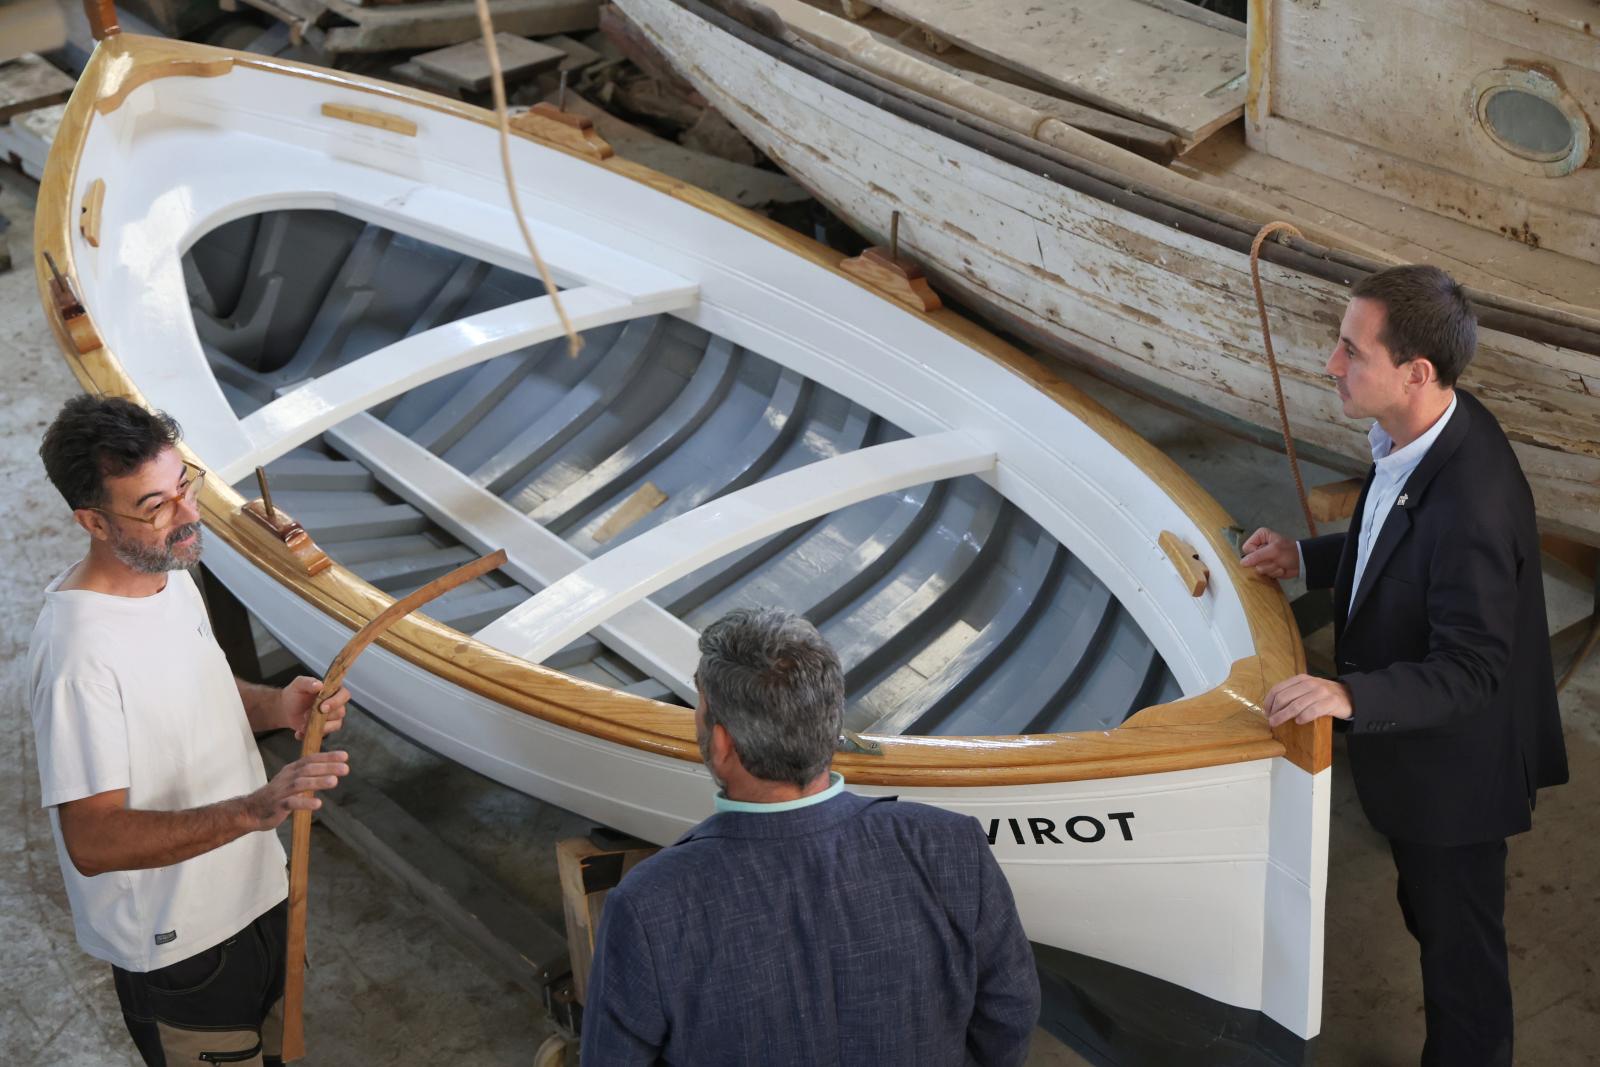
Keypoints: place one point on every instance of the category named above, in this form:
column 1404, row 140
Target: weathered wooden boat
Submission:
column 1080, row 173
column 1042, row 619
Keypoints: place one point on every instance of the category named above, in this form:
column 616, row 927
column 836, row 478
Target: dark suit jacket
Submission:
column 1445, row 646
column 854, row 931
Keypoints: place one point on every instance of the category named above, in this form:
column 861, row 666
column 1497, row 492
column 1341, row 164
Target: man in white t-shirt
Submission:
column 161, row 809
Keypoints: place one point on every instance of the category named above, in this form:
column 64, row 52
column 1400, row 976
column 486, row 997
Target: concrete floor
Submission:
column 389, row 984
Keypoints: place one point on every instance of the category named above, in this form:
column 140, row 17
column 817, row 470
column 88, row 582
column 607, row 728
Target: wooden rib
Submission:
column 1227, row 723
column 363, row 116
column 700, row 396
column 629, row 573
column 966, row 671
column 294, row 1039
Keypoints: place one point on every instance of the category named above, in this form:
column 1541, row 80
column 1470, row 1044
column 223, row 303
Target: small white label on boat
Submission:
column 1082, row 829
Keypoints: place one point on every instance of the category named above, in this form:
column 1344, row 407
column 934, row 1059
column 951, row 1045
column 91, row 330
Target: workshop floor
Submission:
column 389, row 984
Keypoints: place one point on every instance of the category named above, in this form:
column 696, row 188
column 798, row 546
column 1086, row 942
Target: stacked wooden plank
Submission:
column 32, row 93
column 1164, row 64
column 337, row 27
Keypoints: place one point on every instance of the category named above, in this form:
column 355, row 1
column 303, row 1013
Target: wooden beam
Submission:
column 1335, row 501
column 28, row 83
column 568, row 609
column 302, row 413
column 650, row 638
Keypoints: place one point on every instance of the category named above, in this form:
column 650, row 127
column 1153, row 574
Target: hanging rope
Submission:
column 1272, row 361
column 503, row 121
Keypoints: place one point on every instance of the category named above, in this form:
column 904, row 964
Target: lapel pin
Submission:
column 1402, row 501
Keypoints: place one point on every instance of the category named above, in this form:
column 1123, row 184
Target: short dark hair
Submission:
column 776, row 686
column 1426, row 314
column 98, row 437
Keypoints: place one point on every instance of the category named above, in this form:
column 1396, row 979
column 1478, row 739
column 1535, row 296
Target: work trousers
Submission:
column 222, row 1005
column 1453, row 899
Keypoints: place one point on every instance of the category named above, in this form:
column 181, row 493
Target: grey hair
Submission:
column 777, row 687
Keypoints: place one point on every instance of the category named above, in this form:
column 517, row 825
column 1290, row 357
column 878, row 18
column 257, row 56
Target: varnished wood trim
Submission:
column 1223, row 726
column 380, row 120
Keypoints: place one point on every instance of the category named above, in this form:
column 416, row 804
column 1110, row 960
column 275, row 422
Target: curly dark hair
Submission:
column 98, row 437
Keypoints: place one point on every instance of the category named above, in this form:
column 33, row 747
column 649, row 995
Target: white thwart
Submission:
column 302, row 413
column 632, row 571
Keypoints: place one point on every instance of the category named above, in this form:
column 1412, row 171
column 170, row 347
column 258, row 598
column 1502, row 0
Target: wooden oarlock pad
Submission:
column 301, row 548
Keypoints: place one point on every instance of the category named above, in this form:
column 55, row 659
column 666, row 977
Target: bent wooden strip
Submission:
column 582, row 600
column 294, row 1038
column 301, row 414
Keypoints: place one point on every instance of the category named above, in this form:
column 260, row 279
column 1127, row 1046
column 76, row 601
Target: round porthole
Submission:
column 1532, row 122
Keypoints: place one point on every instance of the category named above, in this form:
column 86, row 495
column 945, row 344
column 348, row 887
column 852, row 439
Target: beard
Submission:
column 169, row 557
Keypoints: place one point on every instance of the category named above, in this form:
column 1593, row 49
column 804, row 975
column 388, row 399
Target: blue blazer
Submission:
column 854, row 931
column 1445, row 647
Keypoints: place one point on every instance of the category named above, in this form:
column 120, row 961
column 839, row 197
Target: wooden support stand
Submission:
column 548, row 123
column 894, row 277
column 1336, row 500
column 588, row 871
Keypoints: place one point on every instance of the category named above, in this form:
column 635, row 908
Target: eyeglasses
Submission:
column 166, row 511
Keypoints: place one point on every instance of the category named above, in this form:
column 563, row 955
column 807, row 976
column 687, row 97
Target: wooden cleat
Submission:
column 548, row 123
column 289, row 533
column 1195, row 574
column 899, row 279
column 69, row 310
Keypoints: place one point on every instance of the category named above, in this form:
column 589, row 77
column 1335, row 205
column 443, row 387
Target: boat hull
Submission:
column 1155, row 308
column 1207, row 879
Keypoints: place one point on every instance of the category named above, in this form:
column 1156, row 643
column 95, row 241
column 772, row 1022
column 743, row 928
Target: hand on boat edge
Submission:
column 1304, row 698
column 1270, row 554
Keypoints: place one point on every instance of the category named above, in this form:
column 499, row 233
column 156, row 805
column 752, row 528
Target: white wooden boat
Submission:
column 320, row 274
column 1380, row 151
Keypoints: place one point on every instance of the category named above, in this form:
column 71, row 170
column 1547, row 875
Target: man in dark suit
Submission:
column 1441, row 642
column 804, row 925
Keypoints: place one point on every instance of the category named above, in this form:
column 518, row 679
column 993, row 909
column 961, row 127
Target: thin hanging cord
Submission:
column 497, row 80
column 1272, row 361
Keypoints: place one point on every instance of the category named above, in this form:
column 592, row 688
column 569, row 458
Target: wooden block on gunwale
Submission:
column 467, row 64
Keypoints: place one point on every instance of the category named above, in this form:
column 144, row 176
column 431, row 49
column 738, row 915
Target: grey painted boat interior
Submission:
column 953, row 612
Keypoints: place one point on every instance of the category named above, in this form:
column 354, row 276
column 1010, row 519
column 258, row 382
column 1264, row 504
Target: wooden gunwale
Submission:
column 1574, row 328
column 1222, row 726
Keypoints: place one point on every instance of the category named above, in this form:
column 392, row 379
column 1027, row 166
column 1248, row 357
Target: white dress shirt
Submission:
column 1394, row 467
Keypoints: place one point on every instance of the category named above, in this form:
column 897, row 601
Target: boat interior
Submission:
column 953, row 611
column 1485, row 164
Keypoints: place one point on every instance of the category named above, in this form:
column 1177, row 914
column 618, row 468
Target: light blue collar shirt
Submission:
column 835, row 787
column 1394, row 467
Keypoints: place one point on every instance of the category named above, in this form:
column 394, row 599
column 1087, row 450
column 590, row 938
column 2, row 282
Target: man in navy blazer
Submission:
column 802, row 924
column 1441, row 643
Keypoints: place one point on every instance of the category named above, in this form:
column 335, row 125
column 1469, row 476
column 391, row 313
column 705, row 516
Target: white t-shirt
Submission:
column 134, row 693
